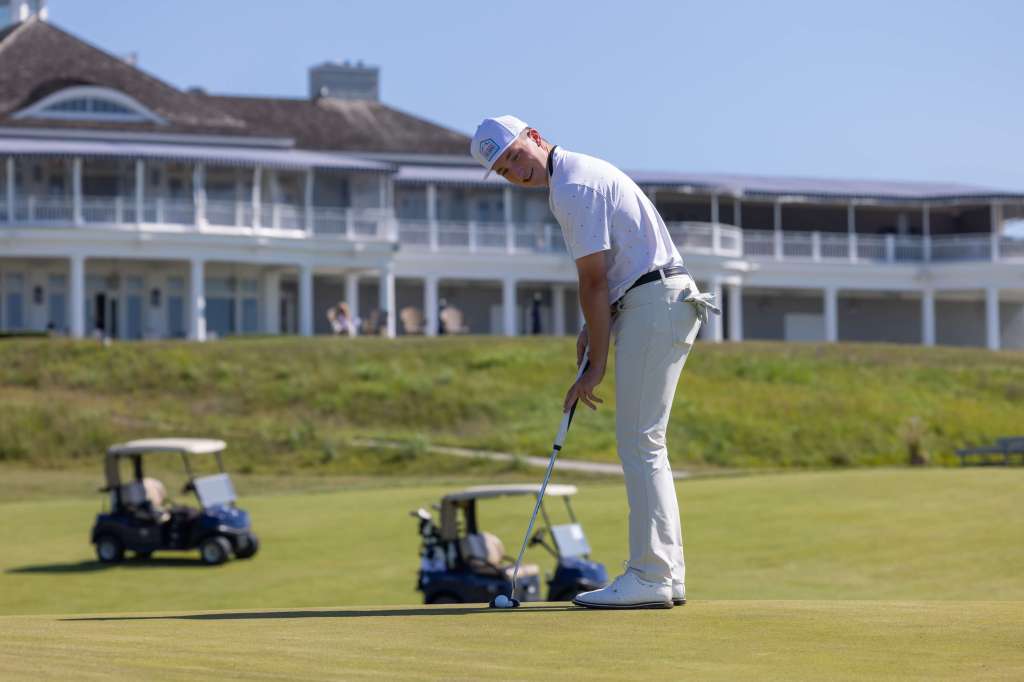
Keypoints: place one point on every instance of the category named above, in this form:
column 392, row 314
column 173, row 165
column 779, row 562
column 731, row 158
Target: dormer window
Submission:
column 90, row 103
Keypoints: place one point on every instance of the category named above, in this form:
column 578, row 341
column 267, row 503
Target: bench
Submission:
column 1002, row 453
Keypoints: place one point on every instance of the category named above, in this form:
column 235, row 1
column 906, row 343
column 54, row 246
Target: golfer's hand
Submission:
column 581, row 345
column 583, row 389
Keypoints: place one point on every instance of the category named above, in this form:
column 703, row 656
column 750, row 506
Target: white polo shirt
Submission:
column 600, row 208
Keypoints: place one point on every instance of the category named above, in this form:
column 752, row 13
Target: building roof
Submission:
column 344, row 125
column 37, row 59
column 781, row 186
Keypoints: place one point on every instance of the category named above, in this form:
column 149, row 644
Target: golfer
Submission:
column 632, row 285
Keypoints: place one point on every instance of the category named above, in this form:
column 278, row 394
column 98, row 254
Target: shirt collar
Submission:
column 551, row 161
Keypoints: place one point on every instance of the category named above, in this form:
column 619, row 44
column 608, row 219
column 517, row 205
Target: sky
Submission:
column 899, row 90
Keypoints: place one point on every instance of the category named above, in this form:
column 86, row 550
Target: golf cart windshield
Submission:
column 570, row 540
column 214, row 491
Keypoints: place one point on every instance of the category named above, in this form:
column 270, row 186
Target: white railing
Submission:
column 121, row 211
column 833, row 246
column 474, row 236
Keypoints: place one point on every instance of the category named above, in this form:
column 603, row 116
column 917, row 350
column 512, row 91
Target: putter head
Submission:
column 503, row 602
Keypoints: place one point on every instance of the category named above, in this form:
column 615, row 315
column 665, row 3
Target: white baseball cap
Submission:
column 493, row 137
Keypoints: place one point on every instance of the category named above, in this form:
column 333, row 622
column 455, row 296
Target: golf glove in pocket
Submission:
column 704, row 304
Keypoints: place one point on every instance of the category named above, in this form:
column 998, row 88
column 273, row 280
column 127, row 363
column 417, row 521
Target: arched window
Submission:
column 90, row 103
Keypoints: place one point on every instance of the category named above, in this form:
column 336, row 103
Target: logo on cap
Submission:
column 488, row 148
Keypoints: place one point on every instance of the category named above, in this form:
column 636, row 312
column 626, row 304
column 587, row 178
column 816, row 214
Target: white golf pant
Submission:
column 654, row 330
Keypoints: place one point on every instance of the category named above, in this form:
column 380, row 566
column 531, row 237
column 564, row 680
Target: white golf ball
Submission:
column 502, row 602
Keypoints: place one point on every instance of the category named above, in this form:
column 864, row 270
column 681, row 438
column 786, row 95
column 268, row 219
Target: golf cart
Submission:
column 142, row 520
column 460, row 563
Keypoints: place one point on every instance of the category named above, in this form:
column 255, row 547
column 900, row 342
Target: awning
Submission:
column 748, row 187
column 285, row 159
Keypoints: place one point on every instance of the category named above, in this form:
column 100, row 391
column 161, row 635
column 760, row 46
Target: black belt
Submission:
column 652, row 276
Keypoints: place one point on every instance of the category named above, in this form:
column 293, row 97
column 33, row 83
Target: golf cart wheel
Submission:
column 214, row 550
column 250, row 549
column 109, row 549
column 443, row 598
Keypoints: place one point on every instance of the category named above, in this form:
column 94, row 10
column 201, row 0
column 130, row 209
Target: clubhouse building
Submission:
column 135, row 210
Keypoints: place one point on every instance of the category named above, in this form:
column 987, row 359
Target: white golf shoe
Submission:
column 627, row 591
column 678, row 593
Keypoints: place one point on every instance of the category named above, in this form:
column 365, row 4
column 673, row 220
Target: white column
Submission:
column 851, row 228
column 430, row 310
column 717, row 330
column 926, row 231
column 432, row 214
column 508, row 306
column 890, row 248
column 714, row 208
column 76, row 296
column 10, row 189
column 996, row 217
column 199, row 194
column 140, row 191
column 309, row 202
column 735, row 312
column 239, row 212
column 737, row 212
column 305, row 299
column 257, row 190
column 816, row 245
column 558, row 308
column 275, row 199
column 510, row 228
column 387, row 298
column 928, row 317
column 272, row 303
column 992, row 339
column 777, row 223
column 76, row 189
column 197, row 301
column 352, row 298
column 831, row 314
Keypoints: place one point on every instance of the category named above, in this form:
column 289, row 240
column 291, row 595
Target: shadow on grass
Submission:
column 93, row 566
column 348, row 613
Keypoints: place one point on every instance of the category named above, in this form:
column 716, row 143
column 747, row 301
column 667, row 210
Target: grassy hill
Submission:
column 738, row 640
column 287, row 403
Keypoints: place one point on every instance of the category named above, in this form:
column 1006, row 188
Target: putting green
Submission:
column 727, row 640
column 880, row 534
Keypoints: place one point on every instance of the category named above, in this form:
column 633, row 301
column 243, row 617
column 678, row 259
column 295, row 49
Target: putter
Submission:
column 509, row 602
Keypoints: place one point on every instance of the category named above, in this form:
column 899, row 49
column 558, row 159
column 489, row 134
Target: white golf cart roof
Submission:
column 486, row 491
column 191, row 446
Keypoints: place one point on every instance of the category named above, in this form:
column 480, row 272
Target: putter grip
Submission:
column 567, row 419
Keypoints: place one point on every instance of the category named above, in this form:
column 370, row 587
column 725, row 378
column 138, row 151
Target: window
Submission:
column 90, row 103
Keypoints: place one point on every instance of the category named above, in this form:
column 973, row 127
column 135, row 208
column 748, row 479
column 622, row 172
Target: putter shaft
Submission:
column 563, row 429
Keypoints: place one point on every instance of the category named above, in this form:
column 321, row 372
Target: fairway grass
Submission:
column 715, row 640
column 864, row 535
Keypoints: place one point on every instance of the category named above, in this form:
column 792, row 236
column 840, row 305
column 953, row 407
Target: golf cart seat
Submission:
column 156, row 495
column 485, row 553
column 138, row 496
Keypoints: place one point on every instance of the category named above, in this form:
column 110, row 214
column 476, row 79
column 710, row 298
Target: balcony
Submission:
column 893, row 249
column 226, row 217
column 475, row 237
